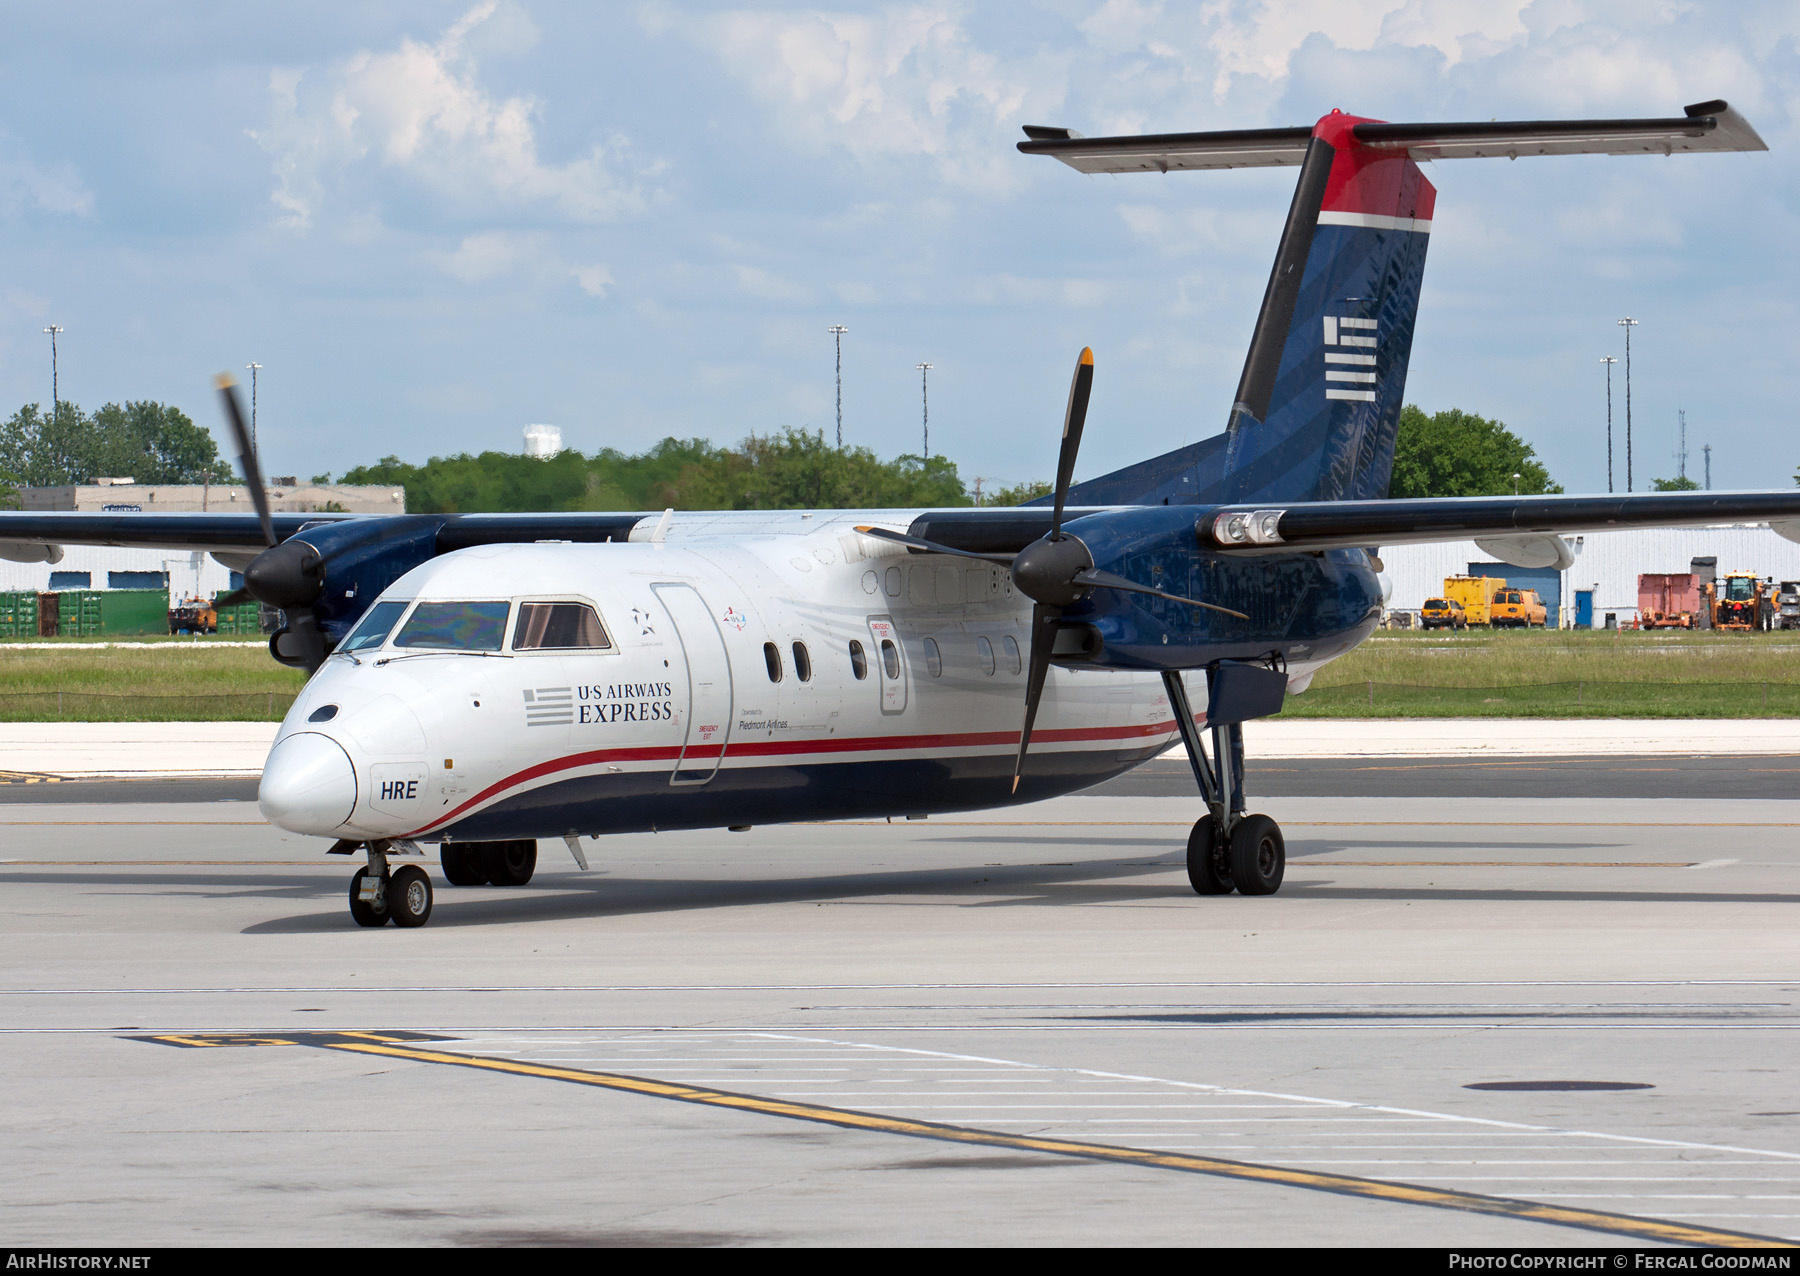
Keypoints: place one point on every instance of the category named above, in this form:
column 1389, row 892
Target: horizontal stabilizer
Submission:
column 1704, row 126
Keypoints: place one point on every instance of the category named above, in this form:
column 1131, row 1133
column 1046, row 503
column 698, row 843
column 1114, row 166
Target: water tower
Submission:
column 543, row 440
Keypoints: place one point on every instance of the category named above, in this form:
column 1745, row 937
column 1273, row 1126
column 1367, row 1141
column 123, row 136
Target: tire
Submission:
column 509, row 863
column 1258, row 856
column 463, row 864
column 1208, row 860
column 362, row 913
column 409, row 896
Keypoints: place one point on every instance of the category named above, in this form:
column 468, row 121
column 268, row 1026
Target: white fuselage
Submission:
column 759, row 668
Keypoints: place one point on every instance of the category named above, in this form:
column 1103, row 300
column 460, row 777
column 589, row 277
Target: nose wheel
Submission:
column 378, row 896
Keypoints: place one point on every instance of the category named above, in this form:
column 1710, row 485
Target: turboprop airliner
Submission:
column 486, row 682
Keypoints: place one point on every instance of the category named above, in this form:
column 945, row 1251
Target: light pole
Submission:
column 55, row 402
column 1516, row 479
column 837, row 330
column 1706, row 451
column 254, row 369
column 1628, row 324
column 1609, row 361
column 925, row 405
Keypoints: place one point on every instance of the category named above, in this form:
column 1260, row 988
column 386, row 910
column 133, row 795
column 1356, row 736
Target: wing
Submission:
column 26, row 533
column 1515, row 522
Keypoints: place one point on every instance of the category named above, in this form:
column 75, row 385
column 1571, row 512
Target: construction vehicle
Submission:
column 1787, row 605
column 1669, row 600
column 1737, row 602
column 1442, row 613
column 1517, row 609
column 193, row 616
column 1475, row 595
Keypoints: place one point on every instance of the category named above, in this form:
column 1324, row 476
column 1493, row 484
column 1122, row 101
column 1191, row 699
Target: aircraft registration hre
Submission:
column 485, row 682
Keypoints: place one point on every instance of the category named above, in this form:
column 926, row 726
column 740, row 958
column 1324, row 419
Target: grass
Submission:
column 1506, row 674
column 1559, row 674
column 170, row 681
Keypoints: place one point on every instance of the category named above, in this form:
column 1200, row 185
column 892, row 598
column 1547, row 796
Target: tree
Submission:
column 1681, row 484
column 151, row 442
column 1456, row 453
column 790, row 470
column 1018, row 493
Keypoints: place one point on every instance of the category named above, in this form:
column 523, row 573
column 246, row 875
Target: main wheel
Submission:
column 1208, row 860
column 463, row 865
column 510, row 863
column 1258, row 856
column 366, row 912
column 409, row 896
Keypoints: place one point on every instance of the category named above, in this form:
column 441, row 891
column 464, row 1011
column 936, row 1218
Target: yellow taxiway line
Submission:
column 407, row 1046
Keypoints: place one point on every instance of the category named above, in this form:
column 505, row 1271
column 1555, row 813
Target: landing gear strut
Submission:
column 1227, row 849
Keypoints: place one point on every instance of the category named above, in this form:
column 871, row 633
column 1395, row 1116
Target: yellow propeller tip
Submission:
column 224, row 381
column 1087, row 356
column 1015, row 787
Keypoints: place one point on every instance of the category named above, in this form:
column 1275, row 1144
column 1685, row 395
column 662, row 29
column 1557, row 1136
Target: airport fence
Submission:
column 96, row 706
column 1578, row 698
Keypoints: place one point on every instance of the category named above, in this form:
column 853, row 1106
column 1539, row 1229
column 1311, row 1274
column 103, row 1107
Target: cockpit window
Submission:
column 373, row 630
column 456, row 626
column 560, row 626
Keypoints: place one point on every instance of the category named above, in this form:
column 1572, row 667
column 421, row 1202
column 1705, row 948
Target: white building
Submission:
column 1606, row 562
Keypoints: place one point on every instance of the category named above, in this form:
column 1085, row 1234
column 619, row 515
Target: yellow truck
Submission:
column 1517, row 609
column 1475, row 595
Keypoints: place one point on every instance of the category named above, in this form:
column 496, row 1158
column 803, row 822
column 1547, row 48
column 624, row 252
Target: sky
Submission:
column 433, row 224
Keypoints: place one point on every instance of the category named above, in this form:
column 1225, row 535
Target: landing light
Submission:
column 1258, row 527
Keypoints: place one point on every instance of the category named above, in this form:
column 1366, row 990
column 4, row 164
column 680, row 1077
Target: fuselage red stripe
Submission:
column 791, row 748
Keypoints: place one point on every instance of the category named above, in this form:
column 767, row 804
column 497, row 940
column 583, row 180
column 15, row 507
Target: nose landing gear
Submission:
column 378, row 896
column 1227, row 849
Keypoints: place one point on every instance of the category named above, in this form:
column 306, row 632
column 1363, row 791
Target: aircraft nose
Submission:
column 308, row 784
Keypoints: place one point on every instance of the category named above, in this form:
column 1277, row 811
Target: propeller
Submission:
column 1055, row 571
column 288, row 574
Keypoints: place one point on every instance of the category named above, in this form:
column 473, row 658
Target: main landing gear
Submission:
column 1227, row 849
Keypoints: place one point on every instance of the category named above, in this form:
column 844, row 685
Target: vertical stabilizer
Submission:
column 1319, row 400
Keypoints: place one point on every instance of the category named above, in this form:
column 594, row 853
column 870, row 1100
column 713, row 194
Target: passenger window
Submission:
column 375, row 626
column 859, row 663
column 934, row 660
column 456, row 626
column 559, row 627
column 890, row 658
column 772, row 658
column 985, row 650
column 802, row 662
column 1010, row 645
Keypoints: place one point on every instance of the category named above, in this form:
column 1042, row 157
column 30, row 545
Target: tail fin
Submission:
column 1319, row 401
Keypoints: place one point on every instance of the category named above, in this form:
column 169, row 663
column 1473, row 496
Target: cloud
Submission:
column 903, row 81
column 418, row 112
column 24, row 183
column 594, row 280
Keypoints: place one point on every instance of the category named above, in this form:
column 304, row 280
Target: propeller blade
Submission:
column 901, row 538
column 1043, row 638
column 234, row 416
column 1107, row 580
column 1073, row 420
column 234, row 598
